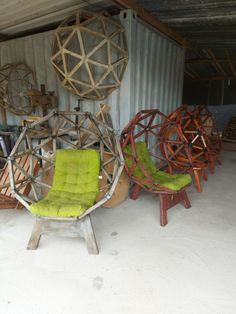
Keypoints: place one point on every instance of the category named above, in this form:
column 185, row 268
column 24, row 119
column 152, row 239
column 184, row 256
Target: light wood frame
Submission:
column 74, row 130
column 90, row 54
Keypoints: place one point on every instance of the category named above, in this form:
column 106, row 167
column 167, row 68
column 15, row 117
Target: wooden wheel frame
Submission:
column 72, row 130
column 90, row 54
column 16, row 80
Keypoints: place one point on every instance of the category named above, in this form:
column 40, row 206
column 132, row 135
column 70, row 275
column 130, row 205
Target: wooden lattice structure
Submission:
column 16, row 80
column 207, row 121
column 194, row 157
column 6, row 198
column 40, row 144
column 90, row 54
column 145, row 127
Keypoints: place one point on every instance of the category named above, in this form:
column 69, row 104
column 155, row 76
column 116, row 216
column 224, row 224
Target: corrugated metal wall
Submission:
column 153, row 79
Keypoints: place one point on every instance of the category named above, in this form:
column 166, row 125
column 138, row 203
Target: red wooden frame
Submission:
column 146, row 126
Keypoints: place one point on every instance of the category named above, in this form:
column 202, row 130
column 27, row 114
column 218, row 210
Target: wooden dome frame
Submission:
column 90, row 54
column 207, row 120
column 15, row 98
column 74, row 130
column 148, row 123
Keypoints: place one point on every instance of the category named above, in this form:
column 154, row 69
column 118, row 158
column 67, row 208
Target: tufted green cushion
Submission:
column 174, row 182
column 75, row 184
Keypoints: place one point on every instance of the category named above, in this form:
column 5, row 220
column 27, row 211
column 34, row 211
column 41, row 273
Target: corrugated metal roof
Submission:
column 210, row 23
column 17, row 16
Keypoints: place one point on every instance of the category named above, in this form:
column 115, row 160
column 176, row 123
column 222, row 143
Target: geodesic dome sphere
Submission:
column 31, row 161
column 16, row 80
column 90, row 54
column 144, row 127
column 186, row 140
column 206, row 120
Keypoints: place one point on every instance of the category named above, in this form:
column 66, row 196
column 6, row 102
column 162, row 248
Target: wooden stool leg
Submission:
column 135, row 191
column 219, row 161
column 197, row 180
column 89, row 235
column 212, row 164
column 185, row 199
column 163, row 209
column 35, row 236
column 204, row 175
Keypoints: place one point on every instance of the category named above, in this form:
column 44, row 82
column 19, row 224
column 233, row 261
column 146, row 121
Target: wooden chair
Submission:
column 72, row 132
column 140, row 144
column 74, row 190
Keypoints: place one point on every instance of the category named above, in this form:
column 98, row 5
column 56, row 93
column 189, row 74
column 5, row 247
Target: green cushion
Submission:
column 173, row 182
column 75, row 184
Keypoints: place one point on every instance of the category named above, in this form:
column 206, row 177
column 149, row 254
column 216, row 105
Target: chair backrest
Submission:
column 76, row 171
column 144, row 161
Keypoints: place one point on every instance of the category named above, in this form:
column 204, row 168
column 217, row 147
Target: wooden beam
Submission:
column 190, row 72
column 3, row 37
column 215, row 62
column 203, row 61
column 212, row 78
column 150, row 19
column 230, row 62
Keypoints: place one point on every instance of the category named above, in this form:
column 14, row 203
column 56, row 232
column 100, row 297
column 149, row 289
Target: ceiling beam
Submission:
column 150, row 19
column 3, row 37
column 202, row 61
column 215, row 62
column 212, row 78
column 230, row 62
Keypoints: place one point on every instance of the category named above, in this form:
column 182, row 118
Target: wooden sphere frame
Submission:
column 189, row 130
column 16, row 80
column 90, row 54
column 146, row 126
column 69, row 130
column 207, row 121
column 198, row 154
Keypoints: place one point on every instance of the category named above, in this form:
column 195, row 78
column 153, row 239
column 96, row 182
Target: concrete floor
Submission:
column 187, row 267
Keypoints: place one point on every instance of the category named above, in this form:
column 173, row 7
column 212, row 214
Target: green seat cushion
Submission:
column 75, row 184
column 173, row 182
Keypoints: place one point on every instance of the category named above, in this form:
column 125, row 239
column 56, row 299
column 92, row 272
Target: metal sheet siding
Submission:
column 153, row 79
column 157, row 71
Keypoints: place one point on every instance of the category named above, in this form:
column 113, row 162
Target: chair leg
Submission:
column 89, row 235
column 35, row 236
column 196, row 173
column 204, row 175
column 169, row 200
column 135, row 191
column 219, row 161
column 212, row 164
column 163, row 209
column 185, row 199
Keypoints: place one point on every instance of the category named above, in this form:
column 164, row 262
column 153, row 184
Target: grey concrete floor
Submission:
column 187, row 267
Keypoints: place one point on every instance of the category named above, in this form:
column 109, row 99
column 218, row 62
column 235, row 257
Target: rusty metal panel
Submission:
column 153, row 78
